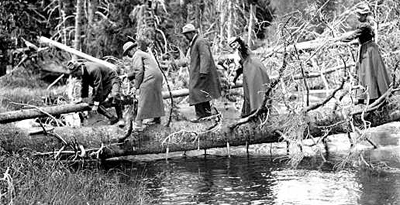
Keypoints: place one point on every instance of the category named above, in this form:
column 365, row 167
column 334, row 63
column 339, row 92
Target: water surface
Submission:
column 261, row 179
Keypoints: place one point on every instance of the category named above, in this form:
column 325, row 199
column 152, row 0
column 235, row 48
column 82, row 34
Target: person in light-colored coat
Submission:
column 204, row 84
column 255, row 77
column 147, row 77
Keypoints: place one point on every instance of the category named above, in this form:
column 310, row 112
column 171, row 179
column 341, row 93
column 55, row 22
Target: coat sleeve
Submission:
column 137, row 70
column 84, row 89
column 97, row 85
column 205, row 57
column 353, row 35
column 239, row 72
column 362, row 29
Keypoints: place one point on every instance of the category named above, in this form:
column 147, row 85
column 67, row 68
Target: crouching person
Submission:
column 106, row 86
column 148, row 79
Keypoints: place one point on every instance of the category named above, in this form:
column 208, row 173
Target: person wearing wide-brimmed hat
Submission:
column 204, row 83
column 255, row 76
column 370, row 68
column 106, row 86
column 147, row 77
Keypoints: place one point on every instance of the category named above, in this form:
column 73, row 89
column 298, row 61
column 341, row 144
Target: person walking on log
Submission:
column 370, row 68
column 148, row 80
column 255, row 76
column 204, row 84
column 106, row 87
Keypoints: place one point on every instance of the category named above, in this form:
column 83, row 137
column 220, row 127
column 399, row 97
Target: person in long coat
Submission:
column 204, row 84
column 255, row 77
column 147, row 77
column 106, row 86
column 370, row 68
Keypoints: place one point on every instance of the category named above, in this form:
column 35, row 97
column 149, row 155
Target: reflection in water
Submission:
column 263, row 180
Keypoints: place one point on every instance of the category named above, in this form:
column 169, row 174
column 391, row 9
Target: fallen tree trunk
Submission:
column 106, row 141
column 76, row 52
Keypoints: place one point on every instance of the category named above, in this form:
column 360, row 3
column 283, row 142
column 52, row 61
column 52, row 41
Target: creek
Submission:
column 262, row 178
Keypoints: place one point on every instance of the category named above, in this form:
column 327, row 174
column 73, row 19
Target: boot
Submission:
column 102, row 110
column 118, row 110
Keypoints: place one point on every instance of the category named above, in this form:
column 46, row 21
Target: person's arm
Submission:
column 205, row 58
column 84, row 89
column 239, row 71
column 97, row 86
column 137, row 71
column 362, row 29
column 351, row 36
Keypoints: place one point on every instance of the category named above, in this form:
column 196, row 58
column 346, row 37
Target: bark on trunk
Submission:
column 183, row 136
column 76, row 52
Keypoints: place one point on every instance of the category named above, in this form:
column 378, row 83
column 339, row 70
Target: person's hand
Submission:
column 95, row 107
column 78, row 100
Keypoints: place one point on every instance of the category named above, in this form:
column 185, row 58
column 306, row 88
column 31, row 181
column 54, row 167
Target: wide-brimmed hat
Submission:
column 188, row 28
column 72, row 66
column 232, row 40
column 362, row 8
column 128, row 46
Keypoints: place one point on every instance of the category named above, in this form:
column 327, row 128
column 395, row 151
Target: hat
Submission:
column 234, row 43
column 188, row 28
column 362, row 8
column 128, row 46
column 232, row 40
column 72, row 66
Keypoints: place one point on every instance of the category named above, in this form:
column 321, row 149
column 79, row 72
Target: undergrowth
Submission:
column 28, row 180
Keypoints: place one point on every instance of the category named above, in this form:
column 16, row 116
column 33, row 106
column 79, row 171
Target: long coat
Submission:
column 201, row 62
column 101, row 78
column 371, row 70
column 148, row 79
column 255, row 81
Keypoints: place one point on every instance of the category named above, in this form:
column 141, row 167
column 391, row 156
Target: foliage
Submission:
column 29, row 180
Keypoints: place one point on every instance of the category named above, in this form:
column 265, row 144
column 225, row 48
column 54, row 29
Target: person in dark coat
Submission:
column 255, row 77
column 106, row 86
column 370, row 68
column 148, row 80
column 204, row 84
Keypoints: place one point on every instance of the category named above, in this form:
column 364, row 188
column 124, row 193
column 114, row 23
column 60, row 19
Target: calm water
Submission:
column 261, row 179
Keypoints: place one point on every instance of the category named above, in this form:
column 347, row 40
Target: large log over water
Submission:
column 190, row 136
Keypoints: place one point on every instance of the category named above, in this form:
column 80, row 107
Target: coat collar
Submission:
column 193, row 39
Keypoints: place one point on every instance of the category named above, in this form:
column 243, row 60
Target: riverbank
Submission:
column 25, row 179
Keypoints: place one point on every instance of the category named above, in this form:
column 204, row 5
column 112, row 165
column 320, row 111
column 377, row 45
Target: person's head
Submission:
column 129, row 48
column 75, row 68
column 189, row 31
column 363, row 11
column 240, row 45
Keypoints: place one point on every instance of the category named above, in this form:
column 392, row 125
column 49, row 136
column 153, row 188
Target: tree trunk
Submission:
column 230, row 19
column 92, row 8
column 251, row 22
column 3, row 62
column 78, row 24
column 76, row 52
column 183, row 135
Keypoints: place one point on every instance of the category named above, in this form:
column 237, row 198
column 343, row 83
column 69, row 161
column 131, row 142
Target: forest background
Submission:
column 100, row 28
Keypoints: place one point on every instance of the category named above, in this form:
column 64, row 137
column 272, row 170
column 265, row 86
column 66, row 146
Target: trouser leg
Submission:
column 102, row 110
column 119, row 110
column 203, row 109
